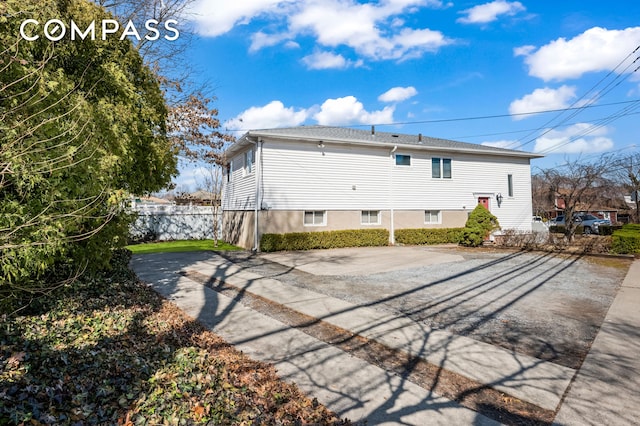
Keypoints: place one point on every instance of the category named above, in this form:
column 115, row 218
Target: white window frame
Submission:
column 395, row 160
column 367, row 214
column 324, row 218
column 510, row 185
column 440, row 168
column 249, row 161
column 438, row 215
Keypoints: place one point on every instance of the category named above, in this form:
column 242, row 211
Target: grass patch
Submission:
column 109, row 350
column 180, row 246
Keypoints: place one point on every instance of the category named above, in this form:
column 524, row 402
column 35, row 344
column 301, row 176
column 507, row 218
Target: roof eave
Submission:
column 345, row 141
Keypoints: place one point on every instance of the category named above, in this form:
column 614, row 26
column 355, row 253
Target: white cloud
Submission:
column 190, row 177
column 502, row 144
column 332, row 112
column 348, row 110
column 398, row 94
column 326, row 60
column 374, row 30
column 260, row 40
column 542, row 100
column 216, row 17
column 272, row 115
column 597, row 49
column 523, row 50
column 489, row 12
column 577, row 139
column 364, row 28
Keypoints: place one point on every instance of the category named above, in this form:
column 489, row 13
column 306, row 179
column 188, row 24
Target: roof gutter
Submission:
column 374, row 143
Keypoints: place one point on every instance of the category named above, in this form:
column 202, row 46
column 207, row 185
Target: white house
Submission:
column 317, row 178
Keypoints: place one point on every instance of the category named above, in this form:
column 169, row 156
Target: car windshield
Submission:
column 588, row 217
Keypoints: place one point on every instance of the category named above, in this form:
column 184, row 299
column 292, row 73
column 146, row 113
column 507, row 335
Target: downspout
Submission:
column 392, row 231
column 256, row 204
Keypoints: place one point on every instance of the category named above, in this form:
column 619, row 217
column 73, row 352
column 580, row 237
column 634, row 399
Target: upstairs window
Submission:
column 248, row 161
column 510, row 185
column 403, row 160
column 441, row 168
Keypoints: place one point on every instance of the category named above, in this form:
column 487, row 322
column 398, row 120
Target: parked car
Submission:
column 589, row 222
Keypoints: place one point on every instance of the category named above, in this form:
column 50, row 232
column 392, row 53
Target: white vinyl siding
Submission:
column 239, row 188
column 370, row 217
column 343, row 178
column 315, row 218
column 301, row 176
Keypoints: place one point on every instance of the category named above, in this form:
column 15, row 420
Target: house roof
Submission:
column 152, row 200
column 349, row 136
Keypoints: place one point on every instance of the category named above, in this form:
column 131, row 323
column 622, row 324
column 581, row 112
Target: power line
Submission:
column 480, row 117
column 590, row 102
column 526, row 130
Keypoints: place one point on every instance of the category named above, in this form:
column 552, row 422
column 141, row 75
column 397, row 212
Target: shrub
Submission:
column 608, row 229
column 428, row 235
column 324, row 239
column 480, row 224
column 626, row 240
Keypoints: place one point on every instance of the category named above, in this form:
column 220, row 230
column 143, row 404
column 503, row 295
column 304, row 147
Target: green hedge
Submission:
column 420, row 236
column 626, row 240
column 324, row 239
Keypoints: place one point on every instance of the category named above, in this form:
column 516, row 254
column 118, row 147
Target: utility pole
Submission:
column 636, row 188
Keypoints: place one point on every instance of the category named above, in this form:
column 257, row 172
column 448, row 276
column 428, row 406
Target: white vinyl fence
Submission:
column 159, row 222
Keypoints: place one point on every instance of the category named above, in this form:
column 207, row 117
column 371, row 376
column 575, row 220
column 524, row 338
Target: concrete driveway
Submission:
column 518, row 322
column 546, row 305
column 361, row 260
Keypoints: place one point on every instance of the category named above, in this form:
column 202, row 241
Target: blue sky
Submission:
column 471, row 71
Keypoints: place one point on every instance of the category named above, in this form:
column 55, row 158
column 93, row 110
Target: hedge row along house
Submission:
column 318, row 178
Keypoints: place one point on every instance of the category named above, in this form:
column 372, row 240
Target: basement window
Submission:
column 370, row 217
column 315, row 218
column 431, row 216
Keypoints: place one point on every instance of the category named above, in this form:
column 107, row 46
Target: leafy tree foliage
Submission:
column 479, row 225
column 193, row 124
column 82, row 125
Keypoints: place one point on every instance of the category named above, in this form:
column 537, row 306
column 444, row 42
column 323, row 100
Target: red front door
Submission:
column 484, row 201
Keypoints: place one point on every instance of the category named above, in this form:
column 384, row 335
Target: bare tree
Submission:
column 626, row 171
column 543, row 200
column 579, row 185
column 212, row 183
